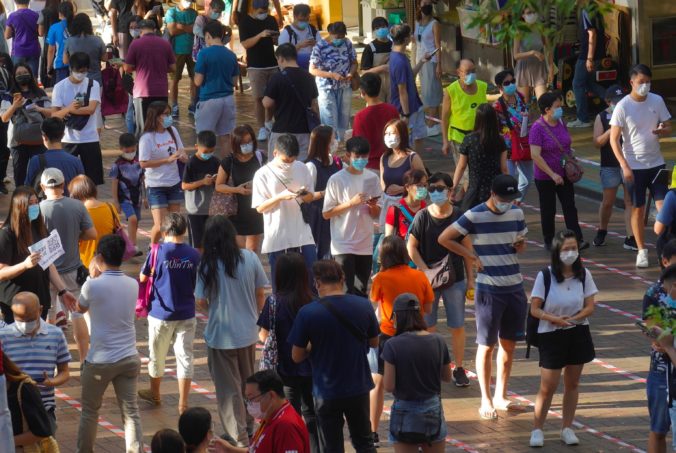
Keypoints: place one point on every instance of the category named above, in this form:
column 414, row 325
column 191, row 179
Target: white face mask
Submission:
column 531, row 18
column 246, row 148
column 643, row 89
column 502, row 206
column 26, row 327
column 128, row 156
column 186, row 4
column 254, row 409
column 391, row 141
column 79, row 76
column 568, row 257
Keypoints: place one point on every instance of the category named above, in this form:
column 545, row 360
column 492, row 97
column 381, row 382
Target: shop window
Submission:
column 664, row 41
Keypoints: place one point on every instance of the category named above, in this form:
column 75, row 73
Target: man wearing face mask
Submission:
column 499, row 227
column 37, row 347
column 640, row 119
column 376, row 56
column 301, row 34
column 351, row 203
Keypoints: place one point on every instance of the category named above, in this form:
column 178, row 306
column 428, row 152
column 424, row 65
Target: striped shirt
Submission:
column 493, row 236
column 37, row 354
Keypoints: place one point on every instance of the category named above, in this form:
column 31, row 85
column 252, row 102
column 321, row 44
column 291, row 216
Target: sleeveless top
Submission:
column 463, row 109
column 395, row 175
column 324, row 173
column 424, row 35
column 608, row 158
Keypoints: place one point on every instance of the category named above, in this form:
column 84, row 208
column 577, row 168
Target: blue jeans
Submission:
column 129, row 118
column 32, row 62
column 404, row 413
column 454, row 303
column 523, row 171
column 334, row 109
column 583, row 82
column 5, row 417
column 309, row 253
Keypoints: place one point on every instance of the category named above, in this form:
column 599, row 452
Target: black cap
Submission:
column 614, row 93
column 405, row 302
column 147, row 24
column 506, row 187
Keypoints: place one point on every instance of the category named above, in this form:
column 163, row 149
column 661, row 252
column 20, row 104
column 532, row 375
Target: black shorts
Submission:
column 566, row 347
column 90, row 155
column 643, row 180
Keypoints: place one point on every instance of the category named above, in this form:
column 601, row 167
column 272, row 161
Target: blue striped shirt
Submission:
column 493, row 236
column 37, row 354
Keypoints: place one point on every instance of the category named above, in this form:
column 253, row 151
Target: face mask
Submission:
column 246, row 148
column 470, row 78
column 557, row 114
column 301, row 25
column 337, row 42
column 439, row 198
column 33, row 212
column 426, row 10
column 24, row 79
column 167, row 121
column 502, row 206
column 262, row 16
column 254, row 409
column 510, row 90
column 382, row 33
column 26, row 327
column 643, row 89
column 128, row 156
column 420, row 193
column 135, row 33
column 569, row 257
column 284, row 166
column 611, row 108
column 531, row 18
column 214, row 15
column 391, row 141
column 359, row 163
column 206, row 156
column 186, row 4
column 79, row 76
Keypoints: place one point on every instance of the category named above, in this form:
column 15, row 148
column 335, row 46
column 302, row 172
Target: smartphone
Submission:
column 274, row 32
column 374, row 198
column 648, row 331
column 435, row 51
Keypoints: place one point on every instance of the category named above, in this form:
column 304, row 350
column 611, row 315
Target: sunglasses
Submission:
column 507, row 83
column 439, row 189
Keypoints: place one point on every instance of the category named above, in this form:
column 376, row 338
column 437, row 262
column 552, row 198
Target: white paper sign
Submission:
column 49, row 248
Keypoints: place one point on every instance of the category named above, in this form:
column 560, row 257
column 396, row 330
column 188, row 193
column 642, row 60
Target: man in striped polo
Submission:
column 498, row 230
column 37, row 347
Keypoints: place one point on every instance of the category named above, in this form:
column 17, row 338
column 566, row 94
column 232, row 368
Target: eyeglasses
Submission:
column 439, row 189
column 507, row 83
column 251, row 400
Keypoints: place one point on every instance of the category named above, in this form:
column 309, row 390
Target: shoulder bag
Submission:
column 44, row 445
column 144, row 288
column 270, row 354
column 118, row 230
column 440, row 274
column 572, row 167
column 226, row 204
column 311, row 117
column 27, row 124
column 78, row 122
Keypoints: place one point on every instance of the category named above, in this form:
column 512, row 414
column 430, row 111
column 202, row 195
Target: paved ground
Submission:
column 612, row 413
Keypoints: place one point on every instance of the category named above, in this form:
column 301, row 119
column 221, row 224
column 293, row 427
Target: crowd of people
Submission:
column 363, row 242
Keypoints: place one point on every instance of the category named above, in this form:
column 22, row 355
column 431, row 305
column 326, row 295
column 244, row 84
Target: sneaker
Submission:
column 147, row 395
column 263, row 134
column 537, row 438
column 460, row 377
column 600, row 238
column 578, row 124
column 630, row 243
column 376, row 440
column 642, row 259
column 174, row 111
column 7, row 180
column 433, row 131
column 568, row 437
column 583, row 245
column 137, row 252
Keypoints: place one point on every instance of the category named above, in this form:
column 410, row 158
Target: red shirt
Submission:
column 284, row 432
column 404, row 224
column 370, row 124
column 151, row 56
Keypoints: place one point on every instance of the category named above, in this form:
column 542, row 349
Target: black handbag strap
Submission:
column 356, row 333
column 295, row 90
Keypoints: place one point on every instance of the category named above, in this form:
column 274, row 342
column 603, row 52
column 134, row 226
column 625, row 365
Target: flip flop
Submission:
column 510, row 406
column 488, row 415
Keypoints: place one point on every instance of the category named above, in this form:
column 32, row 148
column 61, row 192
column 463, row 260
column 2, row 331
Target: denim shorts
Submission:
column 130, row 210
column 404, row 412
column 162, row 197
column 658, row 402
column 454, row 304
column 417, row 128
column 611, row 177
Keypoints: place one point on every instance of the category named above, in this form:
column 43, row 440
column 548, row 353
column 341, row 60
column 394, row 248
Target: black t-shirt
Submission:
column 608, row 158
column 289, row 112
column 262, row 55
column 586, row 23
column 37, row 419
column 124, row 14
column 35, row 279
column 426, row 229
column 417, row 360
column 367, row 55
column 197, row 201
column 197, row 168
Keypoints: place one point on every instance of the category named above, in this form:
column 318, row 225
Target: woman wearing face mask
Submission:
column 549, row 143
column 235, row 176
column 563, row 300
column 395, row 162
column 195, row 426
column 322, row 164
column 25, row 92
column 160, row 151
column 334, row 64
column 534, row 69
column 399, row 217
column 19, row 268
column 428, row 39
column 425, row 252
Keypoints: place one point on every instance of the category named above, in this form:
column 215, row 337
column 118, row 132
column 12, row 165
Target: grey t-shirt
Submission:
column 69, row 217
column 92, row 46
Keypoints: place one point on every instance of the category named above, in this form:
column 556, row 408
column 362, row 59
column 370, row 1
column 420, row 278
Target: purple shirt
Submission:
column 151, row 56
column 541, row 135
column 24, row 22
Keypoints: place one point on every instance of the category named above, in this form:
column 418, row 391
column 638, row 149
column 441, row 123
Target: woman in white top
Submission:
column 428, row 39
column 160, row 151
column 563, row 333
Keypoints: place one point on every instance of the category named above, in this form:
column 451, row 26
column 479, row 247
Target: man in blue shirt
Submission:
column 215, row 74
column 341, row 380
column 52, row 133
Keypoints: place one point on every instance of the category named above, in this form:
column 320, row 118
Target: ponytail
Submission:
column 67, row 11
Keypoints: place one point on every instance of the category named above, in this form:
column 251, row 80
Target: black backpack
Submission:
column 293, row 37
column 532, row 323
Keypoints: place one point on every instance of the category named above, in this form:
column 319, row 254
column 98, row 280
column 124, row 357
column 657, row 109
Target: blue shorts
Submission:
column 611, row 177
column 162, row 197
column 500, row 315
column 130, row 210
column 643, row 180
column 417, row 128
column 454, row 303
column 405, row 412
column 658, row 402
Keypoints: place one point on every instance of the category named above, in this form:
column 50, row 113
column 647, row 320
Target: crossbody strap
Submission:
column 281, row 182
column 295, row 90
column 358, row 335
column 551, row 134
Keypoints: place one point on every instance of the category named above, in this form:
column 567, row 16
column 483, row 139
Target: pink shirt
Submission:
column 151, row 56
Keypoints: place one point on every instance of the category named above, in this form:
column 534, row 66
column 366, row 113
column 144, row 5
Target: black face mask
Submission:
column 24, row 79
column 426, row 10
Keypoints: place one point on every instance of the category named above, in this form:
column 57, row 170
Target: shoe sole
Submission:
column 629, row 247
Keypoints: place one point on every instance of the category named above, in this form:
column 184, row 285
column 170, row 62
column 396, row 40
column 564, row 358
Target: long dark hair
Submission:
column 220, row 248
column 393, row 252
column 33, row 88
column 67, row 11
column 291, row 280
column 402, row 129
column 194, row 425
column 155, row 110
column 81, row 25
column 320, row 144
column 486, row 126
column 557, row 265
column 409, row 321
column 238, row 137
column 17, row 219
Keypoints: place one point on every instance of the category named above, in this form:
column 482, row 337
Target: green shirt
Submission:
column 182, row 43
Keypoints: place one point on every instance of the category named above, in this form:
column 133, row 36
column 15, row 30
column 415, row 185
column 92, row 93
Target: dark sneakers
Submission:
column 376, row 440
column 630, row 244
column 583, row 245
column 600, row 238
column 460, row 377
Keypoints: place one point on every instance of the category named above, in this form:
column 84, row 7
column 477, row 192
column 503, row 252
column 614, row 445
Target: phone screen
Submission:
column 647, row 330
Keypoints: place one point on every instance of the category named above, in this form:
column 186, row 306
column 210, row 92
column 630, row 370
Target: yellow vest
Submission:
column 463, row 109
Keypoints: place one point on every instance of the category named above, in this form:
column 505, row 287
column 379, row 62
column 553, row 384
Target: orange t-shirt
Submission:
column 390, row 283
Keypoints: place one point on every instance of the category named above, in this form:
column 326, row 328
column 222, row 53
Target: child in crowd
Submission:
column 198, row 185
column 127, row 181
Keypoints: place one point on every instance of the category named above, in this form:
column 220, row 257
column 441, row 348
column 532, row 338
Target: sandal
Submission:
column 488, row 415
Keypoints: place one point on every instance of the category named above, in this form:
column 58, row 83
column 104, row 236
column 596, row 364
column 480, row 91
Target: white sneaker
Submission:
column 263, row 134
column 568, row 437
column 537, row 438
column 268, row 125
column 434, row 131
column 642, row 259
column 578, row 124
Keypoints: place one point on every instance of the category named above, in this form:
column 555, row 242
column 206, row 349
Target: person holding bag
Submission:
column 550, row 146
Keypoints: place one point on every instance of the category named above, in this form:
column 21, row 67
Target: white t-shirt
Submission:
column 351, row 231
column 640, row 146
column 155, row 146
column 64, row 94
column 301, row 35
column 564, row 299
column 283, row 226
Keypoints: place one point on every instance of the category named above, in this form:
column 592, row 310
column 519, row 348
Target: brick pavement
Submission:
column 610, row 403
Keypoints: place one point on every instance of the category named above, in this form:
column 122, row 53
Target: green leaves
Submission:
column 662, row 317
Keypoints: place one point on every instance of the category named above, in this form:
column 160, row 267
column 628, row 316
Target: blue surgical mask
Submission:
column 337, row 42
column 470, row 78
column 510, row 89
column 167, row 121
column 502, row 206
column 33, row 212
column 214, row 15
column 557, row 114
column 420, row 193
column 206, row 156
column 439, row 198
column 611, row 108
column 382, row 33
column 359, row 163
column 301, row 25
column 135, row 33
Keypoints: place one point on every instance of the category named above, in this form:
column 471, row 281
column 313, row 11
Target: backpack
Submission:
column 533, row 323
column 114, row 99
column 293, row 36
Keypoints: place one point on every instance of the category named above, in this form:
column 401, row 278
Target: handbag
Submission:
column 572, row 168
column 441, row 274
column 270, row 354
column 144, row 288
column 44, row 445
column 310, row 115
column 224, row 204
column 118, row 230
column 78, row 122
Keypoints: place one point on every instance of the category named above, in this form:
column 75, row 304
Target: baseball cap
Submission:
column 51, row 177
column 506, row 187
column 261, row 4
column 147, row 24
column 614, row 93
column 406, row 302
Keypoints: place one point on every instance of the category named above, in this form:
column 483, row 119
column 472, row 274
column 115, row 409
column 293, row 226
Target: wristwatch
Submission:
column 406, row 115
column 62, row 292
